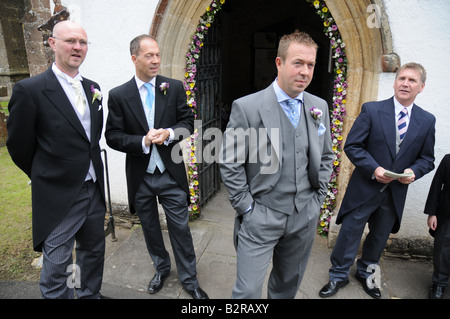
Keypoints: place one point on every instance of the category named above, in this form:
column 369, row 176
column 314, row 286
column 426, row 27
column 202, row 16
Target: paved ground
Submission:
column 128, row 267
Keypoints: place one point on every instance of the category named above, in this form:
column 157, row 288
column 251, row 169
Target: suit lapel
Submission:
column 312, row 125
column 270, row 117
column 413, row 129
column 56, row 95
column 93, row 111
column 134, row 102
column 160, row 101
column 387, row 120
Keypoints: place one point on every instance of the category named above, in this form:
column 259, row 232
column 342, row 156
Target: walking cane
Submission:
column 110, row 228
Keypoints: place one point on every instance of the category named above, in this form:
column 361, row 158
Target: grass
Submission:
column 4, row 107
column 16, row 248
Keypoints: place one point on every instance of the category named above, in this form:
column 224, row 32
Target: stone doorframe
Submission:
column 369, row 50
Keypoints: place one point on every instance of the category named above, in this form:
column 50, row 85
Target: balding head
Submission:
column 70, row 44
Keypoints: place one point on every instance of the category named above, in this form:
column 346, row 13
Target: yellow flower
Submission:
column 208, row 24
column 340, row 138
column 337, row 122
column 222, row 1
column 344, row 101
column 336, row 163
column 322, row 224
column 325, row 9
column 316, row 3
column 338, row 71
column 334, row 148
column 192, row 85
column 326, row 23
column 339, row 89
column 188, row 92
column 208, row 9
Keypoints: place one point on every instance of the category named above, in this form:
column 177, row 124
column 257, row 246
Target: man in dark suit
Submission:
column 438, row 209
column 276, row 166
column 53, row 136
column 148, row 116
column 377, row 143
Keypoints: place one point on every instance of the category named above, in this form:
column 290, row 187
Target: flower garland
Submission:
column 192, row 57
column 338, row 109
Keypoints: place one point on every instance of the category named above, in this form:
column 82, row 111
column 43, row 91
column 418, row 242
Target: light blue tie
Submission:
column 155, row 158
column 294, row 114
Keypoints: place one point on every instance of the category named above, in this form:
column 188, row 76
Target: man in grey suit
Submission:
column 276, row 164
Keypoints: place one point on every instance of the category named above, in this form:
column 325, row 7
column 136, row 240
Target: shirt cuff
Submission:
column 145, row 148
column 170, row 138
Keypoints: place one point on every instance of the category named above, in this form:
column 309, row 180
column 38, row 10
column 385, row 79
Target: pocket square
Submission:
column 321, row 129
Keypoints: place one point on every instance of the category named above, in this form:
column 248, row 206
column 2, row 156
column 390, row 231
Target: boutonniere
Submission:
column 316, row 113
column 163, row 87
column 96, row 94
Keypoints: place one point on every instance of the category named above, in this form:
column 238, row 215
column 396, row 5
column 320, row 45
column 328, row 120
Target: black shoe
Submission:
column 332, row 287
column 156, row 283
column 436, row 292
column 373, row 292
column 197, row 293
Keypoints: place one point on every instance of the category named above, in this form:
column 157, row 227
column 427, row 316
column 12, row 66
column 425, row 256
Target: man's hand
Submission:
column 407, row 180
column 159, row 135
column 379, row 175
column 432, row 222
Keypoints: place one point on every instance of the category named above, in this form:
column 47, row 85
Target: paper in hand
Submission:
column 397, row 175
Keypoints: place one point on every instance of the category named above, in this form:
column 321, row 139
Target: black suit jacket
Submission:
column 48, row 142
column 438, row 200
column 127, row 125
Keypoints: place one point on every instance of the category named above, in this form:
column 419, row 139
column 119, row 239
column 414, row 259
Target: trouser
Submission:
column 441, row 254
column 174, row 202
column 379, row 213
column 265, row 234
column 84, row 224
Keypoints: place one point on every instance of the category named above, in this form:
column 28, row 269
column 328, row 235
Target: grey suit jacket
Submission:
column 251, row 155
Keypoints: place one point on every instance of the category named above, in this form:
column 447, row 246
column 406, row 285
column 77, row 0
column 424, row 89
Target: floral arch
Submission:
column 357, row 51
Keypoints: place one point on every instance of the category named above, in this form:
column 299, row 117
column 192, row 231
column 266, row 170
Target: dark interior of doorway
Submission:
column 250, row 34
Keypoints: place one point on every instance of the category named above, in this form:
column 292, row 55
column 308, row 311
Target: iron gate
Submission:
column 209, row 82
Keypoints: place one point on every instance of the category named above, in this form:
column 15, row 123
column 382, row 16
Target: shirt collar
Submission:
column 282, row 96
column 140, row 83
column 399, row 107
column 57, row 71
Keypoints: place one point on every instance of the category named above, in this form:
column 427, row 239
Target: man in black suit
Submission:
column 148, row 116
column 438, row 209
column 54, row 128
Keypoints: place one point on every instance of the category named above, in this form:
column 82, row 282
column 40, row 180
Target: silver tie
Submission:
column 80, row 103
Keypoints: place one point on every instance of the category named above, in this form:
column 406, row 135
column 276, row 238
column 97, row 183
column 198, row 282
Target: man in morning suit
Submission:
column 148, row 116
column 54, row 128
column 277, row 176
column 437, row 207
column 378, row 142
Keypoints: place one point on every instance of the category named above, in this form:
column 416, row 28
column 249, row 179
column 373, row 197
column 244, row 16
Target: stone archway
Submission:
column 368, row 50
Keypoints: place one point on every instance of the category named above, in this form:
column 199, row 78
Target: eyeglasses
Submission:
column 73, row 41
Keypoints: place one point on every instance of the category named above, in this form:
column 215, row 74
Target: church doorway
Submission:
column 238, row 58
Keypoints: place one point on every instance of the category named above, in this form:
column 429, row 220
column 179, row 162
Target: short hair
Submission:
column 135, row 44
column 415, row 66
column 296, row 37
